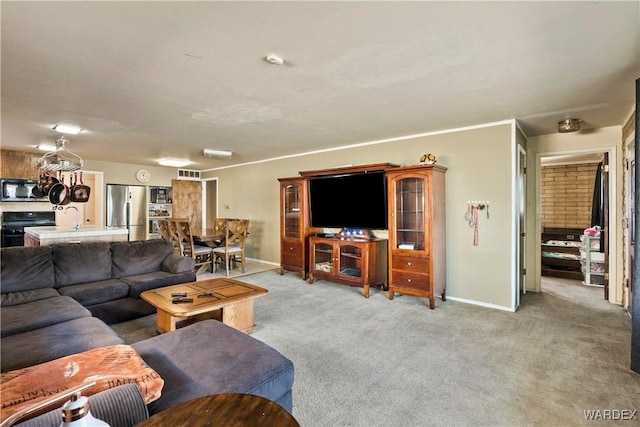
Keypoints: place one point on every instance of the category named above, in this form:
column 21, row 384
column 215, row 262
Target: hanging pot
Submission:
column 59, row 193
column 49, row 181
column 36, row 191
column 80, row 192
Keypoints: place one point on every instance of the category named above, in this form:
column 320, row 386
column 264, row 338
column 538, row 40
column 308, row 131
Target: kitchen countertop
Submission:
column 66, row 231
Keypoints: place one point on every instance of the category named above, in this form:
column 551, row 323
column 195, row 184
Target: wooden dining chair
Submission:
column 163, row 229
column 220, row 225
column 201, row 254
column 234, row 244
column 165, row 232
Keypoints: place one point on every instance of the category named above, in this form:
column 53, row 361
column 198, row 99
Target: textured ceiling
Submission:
column 150, row 80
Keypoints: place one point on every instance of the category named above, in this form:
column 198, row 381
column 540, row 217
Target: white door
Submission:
column 521, row 221
column 629, row 238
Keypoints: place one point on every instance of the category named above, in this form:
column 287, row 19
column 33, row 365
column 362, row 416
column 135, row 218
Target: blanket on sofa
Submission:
column 109, row 367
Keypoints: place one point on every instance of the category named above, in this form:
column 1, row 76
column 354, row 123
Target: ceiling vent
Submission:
column 188, row 174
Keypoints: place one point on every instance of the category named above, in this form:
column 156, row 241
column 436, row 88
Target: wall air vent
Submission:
column 188, row 174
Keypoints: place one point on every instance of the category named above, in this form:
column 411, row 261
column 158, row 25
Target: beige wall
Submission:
column 596, row 140
column 479, row 163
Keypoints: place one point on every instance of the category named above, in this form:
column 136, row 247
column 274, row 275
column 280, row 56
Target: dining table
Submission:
column 209, row 236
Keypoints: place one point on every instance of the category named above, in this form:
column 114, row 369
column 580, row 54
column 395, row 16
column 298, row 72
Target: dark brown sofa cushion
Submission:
column 23, row 297
column 133, row 258
column 81, row 263
column 25, row 268
column 37, row 314
column 210, row 357
column 96, row 292
column 54, row 341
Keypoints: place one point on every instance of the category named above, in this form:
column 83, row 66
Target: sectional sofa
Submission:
column 59, row 300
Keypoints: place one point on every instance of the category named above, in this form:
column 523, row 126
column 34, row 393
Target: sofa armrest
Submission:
column 121, row 406
column 174, row 263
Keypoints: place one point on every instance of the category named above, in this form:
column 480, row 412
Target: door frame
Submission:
column 521, row 224
column 615, row 291
column 206, row 197
column 628, row 230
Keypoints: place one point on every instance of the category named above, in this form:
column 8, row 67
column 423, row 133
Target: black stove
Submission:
column 13, row 224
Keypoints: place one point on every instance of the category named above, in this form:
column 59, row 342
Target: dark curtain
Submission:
column 597, row 209
column 635, row 278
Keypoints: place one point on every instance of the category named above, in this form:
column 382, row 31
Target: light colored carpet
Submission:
column 375, row 362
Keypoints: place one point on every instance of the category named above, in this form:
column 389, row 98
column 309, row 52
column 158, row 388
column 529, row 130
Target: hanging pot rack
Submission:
column 62, row 159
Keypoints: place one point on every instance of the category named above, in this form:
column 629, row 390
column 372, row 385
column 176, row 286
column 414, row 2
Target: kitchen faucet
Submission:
column 76, row 224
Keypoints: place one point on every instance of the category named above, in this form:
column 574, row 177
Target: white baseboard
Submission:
column 482, row 304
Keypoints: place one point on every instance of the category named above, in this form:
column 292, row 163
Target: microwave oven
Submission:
column 19, row 190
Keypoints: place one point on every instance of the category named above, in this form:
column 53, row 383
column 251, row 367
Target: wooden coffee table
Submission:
column 233, row 297
column 226, row 409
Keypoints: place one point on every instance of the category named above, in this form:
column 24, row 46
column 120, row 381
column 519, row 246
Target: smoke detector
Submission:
column 274, row 59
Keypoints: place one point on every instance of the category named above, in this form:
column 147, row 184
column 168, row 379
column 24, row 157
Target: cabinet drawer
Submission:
column 294, row 260
column 292, row 254
column 403, row 278
column 409, row 263
column 291, row 248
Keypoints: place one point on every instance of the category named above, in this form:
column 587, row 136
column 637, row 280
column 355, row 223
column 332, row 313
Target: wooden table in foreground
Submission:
column 233, row 297
column 226, row 409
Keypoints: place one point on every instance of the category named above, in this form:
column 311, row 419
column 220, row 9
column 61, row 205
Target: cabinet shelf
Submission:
column 355, row 272
column 355, row 263
column 592, row 261
column 294, row 225
column 417, row 231
column 348, row 255
column 158, row 208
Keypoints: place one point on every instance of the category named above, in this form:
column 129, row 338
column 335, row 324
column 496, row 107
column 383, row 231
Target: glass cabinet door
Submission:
column 323, row 257
column 292, row 194
column 350, row 261
column 410, row 209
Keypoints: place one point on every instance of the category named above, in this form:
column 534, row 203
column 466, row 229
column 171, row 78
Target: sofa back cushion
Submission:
column 81, row 262
column 25, row 268
column 141, row 257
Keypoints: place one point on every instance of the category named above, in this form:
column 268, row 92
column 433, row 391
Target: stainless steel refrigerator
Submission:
column 127, row 208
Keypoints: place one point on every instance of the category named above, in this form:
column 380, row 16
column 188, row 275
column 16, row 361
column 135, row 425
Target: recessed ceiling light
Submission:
column 68, row 129
column 216, row 154
column 47, row 146
column 173, row 162
column 274, row 59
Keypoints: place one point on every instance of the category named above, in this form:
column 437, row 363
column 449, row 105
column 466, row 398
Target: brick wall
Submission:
column 566, row 193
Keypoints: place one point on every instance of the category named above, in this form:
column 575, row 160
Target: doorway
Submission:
column 210, row 206
column 87, row 213
column 574, row 197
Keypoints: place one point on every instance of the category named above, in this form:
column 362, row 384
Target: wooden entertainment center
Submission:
column 411, row 261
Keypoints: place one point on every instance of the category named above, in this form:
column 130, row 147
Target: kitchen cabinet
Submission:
column 18, row 164
column 354, row 262
column 159, row 207
column 417, row 231
column 592, row 261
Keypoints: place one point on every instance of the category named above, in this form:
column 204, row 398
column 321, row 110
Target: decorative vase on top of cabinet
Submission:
column 294, row 225
column 417, row 231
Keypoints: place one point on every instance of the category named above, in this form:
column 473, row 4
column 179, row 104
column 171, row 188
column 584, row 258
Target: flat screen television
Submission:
column 356, row 200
